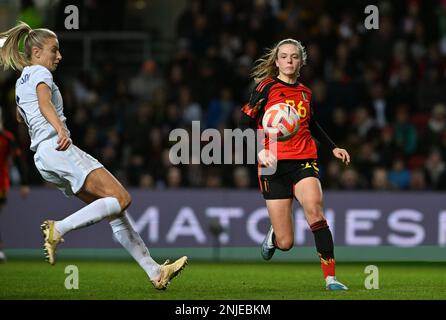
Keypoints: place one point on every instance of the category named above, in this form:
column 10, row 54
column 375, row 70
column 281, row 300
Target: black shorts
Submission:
column 280, row 185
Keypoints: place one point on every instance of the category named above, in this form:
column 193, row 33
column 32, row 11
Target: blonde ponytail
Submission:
column 10, row 55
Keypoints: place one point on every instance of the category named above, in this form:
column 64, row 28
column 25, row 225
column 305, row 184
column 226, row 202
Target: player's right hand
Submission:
column 342, row 154
column 267, row 158
column 64, row 140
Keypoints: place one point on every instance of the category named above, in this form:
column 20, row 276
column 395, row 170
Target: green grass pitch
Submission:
column 219, row 281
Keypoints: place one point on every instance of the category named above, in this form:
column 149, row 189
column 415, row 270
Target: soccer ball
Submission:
column 280, row 122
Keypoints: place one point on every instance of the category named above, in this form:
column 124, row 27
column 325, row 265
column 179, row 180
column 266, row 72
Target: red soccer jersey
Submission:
column 7, row 145
column 301, row 145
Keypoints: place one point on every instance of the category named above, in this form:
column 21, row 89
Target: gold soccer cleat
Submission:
column 51, row 240
column 168, row 272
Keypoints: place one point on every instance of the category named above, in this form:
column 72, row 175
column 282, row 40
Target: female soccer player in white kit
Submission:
column 74, row 172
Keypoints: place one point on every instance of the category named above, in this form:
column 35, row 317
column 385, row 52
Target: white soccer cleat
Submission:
column 267, row 249
column 168, row 272
column 332, row 284
column 2, row 256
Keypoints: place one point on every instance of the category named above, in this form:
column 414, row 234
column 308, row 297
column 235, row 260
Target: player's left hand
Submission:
column 24, row 191
column 342, row 154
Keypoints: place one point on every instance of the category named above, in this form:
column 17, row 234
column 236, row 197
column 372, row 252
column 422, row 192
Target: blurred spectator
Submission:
column 337, row 127
column 135, row 169
column 143, row 86
column 387, row 147
column 380, row 180
column 146, row 181
column 431, row 89
column 399, row 176
column 137, row 128
column 220, row 109
column 331, row 179
column 366, row 160
column 171, row 118
column 379, row 42
column 195, row 176
column 437, row 123
column 191, row 110
column 434, row 168
column 350, row 180
column 173, row 178
column 364, row 125
column 213, row 178
column 379, row 104
column 417, row 180
column 241, row 178
column 187, row 17
column 90, row 142
column 405, row 132
column 84, row 91
column 321, row 106
column 110, row 159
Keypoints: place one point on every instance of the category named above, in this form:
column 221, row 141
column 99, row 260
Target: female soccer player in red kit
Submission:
column 297, row 172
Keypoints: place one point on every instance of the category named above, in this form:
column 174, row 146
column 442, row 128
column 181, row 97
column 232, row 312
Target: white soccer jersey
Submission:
column 26, row 98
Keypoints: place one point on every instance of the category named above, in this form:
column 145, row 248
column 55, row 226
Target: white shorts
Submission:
column 66, row 169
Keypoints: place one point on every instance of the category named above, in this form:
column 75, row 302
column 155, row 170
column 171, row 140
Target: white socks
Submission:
column 122, row 229
column 133, row 243
column 90, row 214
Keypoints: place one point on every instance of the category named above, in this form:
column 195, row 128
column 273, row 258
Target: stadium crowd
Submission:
column 380, row 94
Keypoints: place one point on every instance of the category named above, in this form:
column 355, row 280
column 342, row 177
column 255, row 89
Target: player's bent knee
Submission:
column 284, row 244
column 125, row 199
